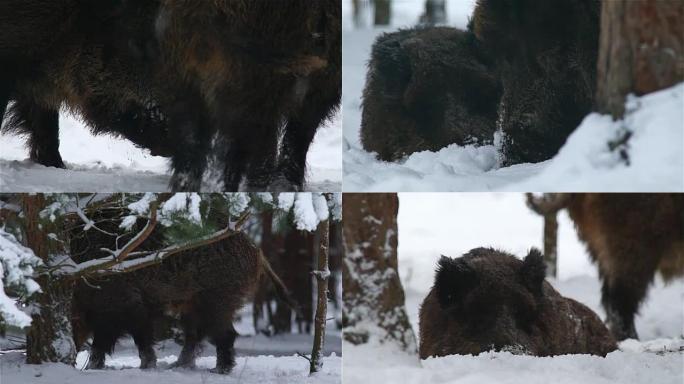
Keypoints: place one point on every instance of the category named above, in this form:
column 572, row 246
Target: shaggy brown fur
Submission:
column 546, row 54
column 428, row 88
column 212, row 84
column 77, row 54
column 490, row 300
column 239, row 69
column 630, row 237
column 202, row 288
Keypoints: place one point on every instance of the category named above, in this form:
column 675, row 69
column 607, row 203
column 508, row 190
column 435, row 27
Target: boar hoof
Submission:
column 222, row 370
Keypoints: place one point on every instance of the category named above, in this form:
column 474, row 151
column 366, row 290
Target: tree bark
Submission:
column 548, row 206
column 373, row 295
column 435, row 12
column 383, row 12
column 641, row 50
column 322, row 274
column 49, row 338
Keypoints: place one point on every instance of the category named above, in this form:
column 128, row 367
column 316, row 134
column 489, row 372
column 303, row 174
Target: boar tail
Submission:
column 280, row 288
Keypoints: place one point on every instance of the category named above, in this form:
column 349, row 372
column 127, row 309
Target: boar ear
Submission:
column 533, row 270
column 454, row 278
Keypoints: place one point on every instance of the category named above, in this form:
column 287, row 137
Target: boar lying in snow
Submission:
column 630, row 237
column 489, row 300
column 231, row 90
column 428, row 88
column 203, row 287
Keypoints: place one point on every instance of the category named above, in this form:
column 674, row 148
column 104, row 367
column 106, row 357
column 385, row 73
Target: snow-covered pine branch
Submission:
column 17, row 265
column 154, row 257
column 311, row 208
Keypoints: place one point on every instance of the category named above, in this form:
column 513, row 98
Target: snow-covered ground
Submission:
column 260, row 359
column 583, row 164
column 451, row 224
column 105, row 164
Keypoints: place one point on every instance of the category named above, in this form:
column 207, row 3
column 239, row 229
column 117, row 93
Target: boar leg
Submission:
column 225, row 350
column 192, row 338
column 191, row 137
column 5, row 92
column 299, row 133
column 263, row 146
column 144, row 341
column 626, row 283
column 42, row 127
column 103, row 342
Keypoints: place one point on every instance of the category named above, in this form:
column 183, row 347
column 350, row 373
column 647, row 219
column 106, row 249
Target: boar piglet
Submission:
column 489, row 300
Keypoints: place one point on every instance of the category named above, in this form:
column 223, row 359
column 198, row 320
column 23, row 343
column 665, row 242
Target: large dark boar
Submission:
column 546, row 55
column 236, row 72
column 86, row 56
column 203, row 288
column 428, row 88
column 212, row 84
column 489, row 300
column 630, row 237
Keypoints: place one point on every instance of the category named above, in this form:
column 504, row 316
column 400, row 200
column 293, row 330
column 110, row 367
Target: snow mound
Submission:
column 453, row 168
column 653, row 159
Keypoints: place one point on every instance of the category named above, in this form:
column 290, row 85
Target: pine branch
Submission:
column 155, row 257
column 121, row 255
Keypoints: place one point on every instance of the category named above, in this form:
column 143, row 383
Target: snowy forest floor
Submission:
column 260, row 359
column 584, row 164
column 452, row 224
column 104, row 163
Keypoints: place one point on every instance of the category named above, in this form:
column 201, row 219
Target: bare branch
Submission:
column 119, row 256
column 155, row 257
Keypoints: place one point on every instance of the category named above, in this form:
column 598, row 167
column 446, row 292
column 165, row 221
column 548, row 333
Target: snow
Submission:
column 583, row 164
column 188, row 203
column 451, row 224
column 16, row 270
column 260, row 359
column 105, row 163
column 309, row 208
column 252, row 369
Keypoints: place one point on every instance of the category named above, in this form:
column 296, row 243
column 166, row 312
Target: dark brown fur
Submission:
column 78, row 55
column 428, row 88
column 239, row 69
column 546, row 55
column 203, row 288
column 490, row 300
column 210, row 83
column 630, row 237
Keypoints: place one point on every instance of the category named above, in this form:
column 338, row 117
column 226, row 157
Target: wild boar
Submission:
column 203, row 288
column 488, row 300
column 428, row 88
column 630, row 237
column 546, row 54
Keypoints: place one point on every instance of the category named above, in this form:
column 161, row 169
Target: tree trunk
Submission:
column 551, row 244
column 435, row 12
column 548, row 206
column 641, row 50
column 373, row 295
column 50, row 337
column 322, row 274
column 383, row 12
